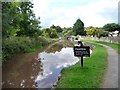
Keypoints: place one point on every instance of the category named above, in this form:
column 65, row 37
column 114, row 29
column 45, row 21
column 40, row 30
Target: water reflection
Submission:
column 54, row 48
column 53, row 63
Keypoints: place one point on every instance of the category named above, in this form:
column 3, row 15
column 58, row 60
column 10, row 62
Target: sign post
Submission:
column 81, row 51
column 82, row 61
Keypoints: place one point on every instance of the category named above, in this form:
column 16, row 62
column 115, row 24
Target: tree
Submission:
column 10, row 18
column 102, row 33
column 78, row 28
column 92, row 31
column 29, row 25
column 111, row 27
column 53, row 26
column 53, row 33
column 58, row 28
column 46, row 32
column 18, row 19
column 50, row 32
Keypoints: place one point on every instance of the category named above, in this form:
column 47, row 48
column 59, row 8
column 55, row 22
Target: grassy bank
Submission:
column 88, row 77
column 15, row 45
column 113, row 45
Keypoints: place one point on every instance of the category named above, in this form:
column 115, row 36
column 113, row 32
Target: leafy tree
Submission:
column 10, row 18
column 111, row 27
column 18, row 19
column 102, row 33
column 95, row 31
column 58, row 28
column 78, row 28
column 92, row 31
column 46, row 32
column 29, row 25
column 50, row 32
column 53, row 34
column 53, row 26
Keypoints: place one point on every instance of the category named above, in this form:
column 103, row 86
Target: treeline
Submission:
column 52, row 32
column 20, row 29
column 104, row 31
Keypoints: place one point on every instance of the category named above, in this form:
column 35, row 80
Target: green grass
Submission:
column 33, row 49
column 90, row 76
column 113, row 45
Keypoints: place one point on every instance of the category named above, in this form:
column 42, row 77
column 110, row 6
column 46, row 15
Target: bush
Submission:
column 14, row 45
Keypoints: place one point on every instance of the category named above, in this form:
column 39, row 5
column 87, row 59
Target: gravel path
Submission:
column 111, row 76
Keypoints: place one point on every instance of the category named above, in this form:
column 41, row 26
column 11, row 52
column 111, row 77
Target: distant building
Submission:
column 114, row 34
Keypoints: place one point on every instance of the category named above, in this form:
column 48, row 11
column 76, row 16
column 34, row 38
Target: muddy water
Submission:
column 23, row 70
column 53, row 63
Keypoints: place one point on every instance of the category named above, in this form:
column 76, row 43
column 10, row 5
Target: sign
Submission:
column 80, row 51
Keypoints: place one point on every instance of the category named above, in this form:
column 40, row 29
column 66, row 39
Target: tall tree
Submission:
column 18, row 19
column 29, row 25
column 10, row 18
column 78, row 28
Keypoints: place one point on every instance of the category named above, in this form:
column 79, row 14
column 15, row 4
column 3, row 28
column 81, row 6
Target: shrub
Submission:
column 14, row 45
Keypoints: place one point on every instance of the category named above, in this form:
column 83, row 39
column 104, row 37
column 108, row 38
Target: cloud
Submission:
column 92, row 13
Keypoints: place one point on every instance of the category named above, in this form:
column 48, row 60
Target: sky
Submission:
column 65, row 12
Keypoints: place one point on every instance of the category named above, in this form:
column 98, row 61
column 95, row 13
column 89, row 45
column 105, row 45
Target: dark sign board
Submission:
column 81, row 51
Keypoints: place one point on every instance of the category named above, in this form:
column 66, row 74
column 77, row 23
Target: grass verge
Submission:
column 88, row 77
column 115, row 46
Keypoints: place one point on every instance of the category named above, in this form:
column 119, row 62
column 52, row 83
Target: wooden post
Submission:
column 82, row 61
column 81, row 44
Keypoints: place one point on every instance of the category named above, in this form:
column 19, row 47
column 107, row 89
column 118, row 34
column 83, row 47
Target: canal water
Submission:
column 52, row 64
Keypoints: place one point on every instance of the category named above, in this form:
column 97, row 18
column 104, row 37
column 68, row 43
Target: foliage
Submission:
column 50, row 33
column 14, row 45
column 67, row 32
column 53, row 26
column 92, row 31
column 19, row 19
column 111, row 27
column 78, row 28
column 20, row 29
column 10, row 18
column 53, row 34
column 95, row 31
column 57, row 28
column 102, row 33
column 90, row 76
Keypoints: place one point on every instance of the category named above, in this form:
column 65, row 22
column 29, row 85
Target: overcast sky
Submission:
column 65, row 12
